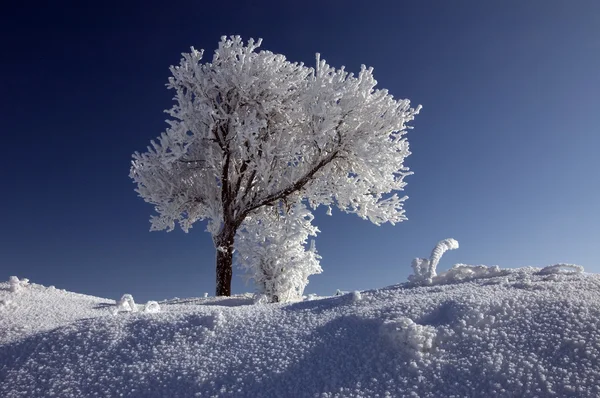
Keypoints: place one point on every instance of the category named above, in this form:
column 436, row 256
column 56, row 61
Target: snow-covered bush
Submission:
column 425, row 269
column 126, row 303
column 272, row 248
column 355, row 296
column 151, row 307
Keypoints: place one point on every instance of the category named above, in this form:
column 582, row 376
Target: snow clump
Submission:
column 126, row 304
column 462, row 272
column 15, row 284
column 5, row 303
column 151, row 307
column 562, row 268
column 356, row 296
column 311, row 297
column 409, row 336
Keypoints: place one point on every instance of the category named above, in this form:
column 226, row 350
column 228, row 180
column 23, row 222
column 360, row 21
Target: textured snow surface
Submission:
column 521, row 334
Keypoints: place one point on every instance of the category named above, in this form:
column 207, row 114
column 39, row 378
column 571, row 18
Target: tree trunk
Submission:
column 224, row 246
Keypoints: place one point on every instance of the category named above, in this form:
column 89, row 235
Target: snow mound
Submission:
column 502, row 335
column 414, row 339
column 463, row 272
column 152, row 307
column 126, row 304
column 561, row 269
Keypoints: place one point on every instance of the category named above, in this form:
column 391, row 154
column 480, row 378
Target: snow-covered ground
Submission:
column 504, row 334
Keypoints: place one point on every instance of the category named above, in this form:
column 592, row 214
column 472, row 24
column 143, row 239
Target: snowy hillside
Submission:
column 518, row 333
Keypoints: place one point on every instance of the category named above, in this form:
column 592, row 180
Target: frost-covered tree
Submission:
column 271, row 246
column 251, row 129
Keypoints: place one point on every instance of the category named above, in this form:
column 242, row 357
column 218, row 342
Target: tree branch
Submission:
column 295, row 187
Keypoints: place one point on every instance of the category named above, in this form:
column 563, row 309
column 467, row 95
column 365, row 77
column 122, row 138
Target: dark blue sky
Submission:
column 504, row 150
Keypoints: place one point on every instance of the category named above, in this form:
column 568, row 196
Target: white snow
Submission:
column 561, row 268
column 126, row 304
column 15, row 284
column 523, row 333
column 152, row 307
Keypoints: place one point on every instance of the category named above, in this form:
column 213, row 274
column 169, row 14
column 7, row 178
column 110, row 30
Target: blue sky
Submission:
column 504, row 150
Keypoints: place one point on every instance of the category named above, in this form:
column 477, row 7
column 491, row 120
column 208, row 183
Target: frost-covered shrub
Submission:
column 126, row 304
column 272, row 248
column 425, row 269
column 438, row 251
column 355, row 296
column 151, row 307
column 562, row 269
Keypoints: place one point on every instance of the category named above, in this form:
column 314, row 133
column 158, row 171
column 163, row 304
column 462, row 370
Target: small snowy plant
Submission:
column 425, row 269
column 272, row 248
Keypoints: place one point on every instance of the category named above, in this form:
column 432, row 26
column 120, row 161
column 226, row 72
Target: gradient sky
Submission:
column 505, row 150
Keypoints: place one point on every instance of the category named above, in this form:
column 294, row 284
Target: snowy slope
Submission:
column 521, row 334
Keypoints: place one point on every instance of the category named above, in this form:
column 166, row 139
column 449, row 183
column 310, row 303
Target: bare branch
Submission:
column 295, row 187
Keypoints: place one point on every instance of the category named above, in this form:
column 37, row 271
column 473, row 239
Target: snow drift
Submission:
column 522, row 333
